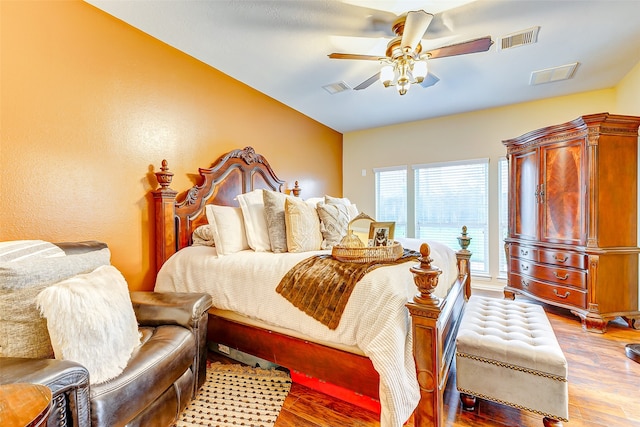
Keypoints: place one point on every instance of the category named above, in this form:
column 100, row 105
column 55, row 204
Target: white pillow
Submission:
column 255, row 223
column 337, row 200
column 315, row 200
column 91, row 321
column 227, row 226
column 302, row 226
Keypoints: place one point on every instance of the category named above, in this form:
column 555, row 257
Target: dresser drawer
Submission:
column 555, row 294
column 562, row 258
column 550, row 273
column 523, row 252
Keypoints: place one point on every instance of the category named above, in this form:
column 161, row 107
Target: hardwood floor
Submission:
column 604, row 388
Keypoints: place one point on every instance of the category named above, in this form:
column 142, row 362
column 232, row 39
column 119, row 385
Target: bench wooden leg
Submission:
column 550, row 422
column 468, row 402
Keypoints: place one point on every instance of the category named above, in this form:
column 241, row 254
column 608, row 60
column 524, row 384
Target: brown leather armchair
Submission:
column 162, row 376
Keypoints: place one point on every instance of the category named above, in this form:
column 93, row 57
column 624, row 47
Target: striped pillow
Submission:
column 21, row 250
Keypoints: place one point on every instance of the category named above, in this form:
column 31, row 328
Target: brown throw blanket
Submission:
column 320, row 286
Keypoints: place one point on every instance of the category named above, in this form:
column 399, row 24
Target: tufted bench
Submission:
column 507, row 352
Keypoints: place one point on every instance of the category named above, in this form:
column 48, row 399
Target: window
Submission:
column 503, row 212
column 450, row 195
column 391, row 197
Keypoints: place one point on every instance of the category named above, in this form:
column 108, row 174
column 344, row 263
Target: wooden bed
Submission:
column 435, row 321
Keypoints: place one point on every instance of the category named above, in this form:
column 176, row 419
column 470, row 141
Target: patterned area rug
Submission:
column 235, row 395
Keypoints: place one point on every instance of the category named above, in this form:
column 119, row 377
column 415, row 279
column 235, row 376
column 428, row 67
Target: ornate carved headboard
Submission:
column 177, row 215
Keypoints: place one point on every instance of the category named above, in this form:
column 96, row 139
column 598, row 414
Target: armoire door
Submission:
column 562, row 193
column 524, row 200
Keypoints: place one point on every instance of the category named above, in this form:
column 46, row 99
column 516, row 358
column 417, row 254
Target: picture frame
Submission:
column 381, row 233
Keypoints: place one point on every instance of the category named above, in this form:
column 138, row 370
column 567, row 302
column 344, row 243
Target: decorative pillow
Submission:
column 252, row 205
column 227, row 227
column 353, row 210
column 315, row 200
column 91, row 321
column 19, row 250
column 302, row 226
column 274, row 214
column 23, row 333
column 203, row 236
column 337, row 200
column 334, row 223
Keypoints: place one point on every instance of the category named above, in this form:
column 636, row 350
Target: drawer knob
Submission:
column 523, row 252
column 555, row 273
column 560, row 258
column 524, row 267
column 524, row 283
column 555, row 291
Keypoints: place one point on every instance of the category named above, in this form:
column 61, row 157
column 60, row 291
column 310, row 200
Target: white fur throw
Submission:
column 91, row 321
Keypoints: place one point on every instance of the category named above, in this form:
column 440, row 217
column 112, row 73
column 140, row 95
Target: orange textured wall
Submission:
column 91, row 106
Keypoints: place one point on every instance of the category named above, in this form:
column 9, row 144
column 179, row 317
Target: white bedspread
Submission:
column 375, row 318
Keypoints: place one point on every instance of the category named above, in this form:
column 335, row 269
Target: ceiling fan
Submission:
column 405, row 63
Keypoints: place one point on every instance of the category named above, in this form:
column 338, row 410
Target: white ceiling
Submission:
column 280, row 48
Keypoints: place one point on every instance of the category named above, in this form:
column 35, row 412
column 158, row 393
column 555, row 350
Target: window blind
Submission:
column 450, row 195
column 391, row 197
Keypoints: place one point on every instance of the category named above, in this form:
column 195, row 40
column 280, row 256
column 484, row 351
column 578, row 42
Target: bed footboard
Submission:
column 435, row 323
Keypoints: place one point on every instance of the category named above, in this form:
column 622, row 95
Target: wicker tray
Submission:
column 362, row 254
column 368, row 253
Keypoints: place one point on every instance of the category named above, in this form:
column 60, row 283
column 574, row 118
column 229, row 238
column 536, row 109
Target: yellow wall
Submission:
column 472, row 135
column 91, row 106
column 628, row 93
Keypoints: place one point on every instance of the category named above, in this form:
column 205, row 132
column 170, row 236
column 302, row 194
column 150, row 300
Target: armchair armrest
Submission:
column 170, row 308
column 178, row 308
column 68, row 381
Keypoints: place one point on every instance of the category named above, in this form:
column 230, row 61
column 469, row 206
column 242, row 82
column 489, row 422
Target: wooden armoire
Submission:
column 573, row 218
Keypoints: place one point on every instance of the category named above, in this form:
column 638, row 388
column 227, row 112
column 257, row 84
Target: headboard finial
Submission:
column 164, row 177
column 296, row 189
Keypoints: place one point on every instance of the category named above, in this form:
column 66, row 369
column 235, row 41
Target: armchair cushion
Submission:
column 91, row 321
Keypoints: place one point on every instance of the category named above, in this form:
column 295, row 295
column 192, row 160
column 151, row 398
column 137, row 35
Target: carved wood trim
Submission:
column 177, row 215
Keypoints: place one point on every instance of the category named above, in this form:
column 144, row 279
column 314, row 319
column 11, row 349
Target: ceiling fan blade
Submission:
column 472, row 46
column 365, row 84
column 415, row 26
column 356, row 56
column 430, row 80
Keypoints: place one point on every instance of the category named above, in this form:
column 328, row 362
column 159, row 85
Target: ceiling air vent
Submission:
column 334, row 88
column 555, row 74
column 521, row 38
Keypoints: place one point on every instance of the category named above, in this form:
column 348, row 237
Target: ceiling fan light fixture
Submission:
column 387, row 75
column 403, row 85
column 420, row 71
column 404, row 62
